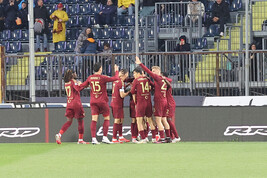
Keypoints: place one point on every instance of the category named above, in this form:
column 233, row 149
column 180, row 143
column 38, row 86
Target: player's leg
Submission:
column 105, row 130
column 160, row 128
column 134, row 130
column 174, row 130
column 140, row 126
column 115, row 130
column 93, row 129
column 152, row 128
column 81, row 131
column 63, row 129
column 121, row 138
column 167, row 129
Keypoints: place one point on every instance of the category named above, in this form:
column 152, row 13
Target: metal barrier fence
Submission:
column 194, row 74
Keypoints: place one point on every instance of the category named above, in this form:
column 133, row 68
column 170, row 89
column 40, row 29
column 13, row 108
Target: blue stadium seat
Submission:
column 72, row 34
column 127, row 46
column 141, row 33
column 37, row 72
column 236, row 5
column 83, row 21
column 55, row 72
column 209, row 7
column 141, row 45
column 16, row 35
column 92, row 20
column 177, row 19
column 72, row 22
column 51, row 8
column 68, row 60
column 117, row 33
column 72, row 9
column 106, row 33
column 73, row 1
column 116, row 45
column 97, row 32
column 150, row 33
column 70, row 46
column 101, row 43
column 165, row 19
column 6, row 35
column 213, row 31
column 14, row 47
column 199, row 44
column 95, row 8
column 84, row 9
column 204, row 43
column 128, row 33
column 61, row 46
column 129, row 20
column 43, row 73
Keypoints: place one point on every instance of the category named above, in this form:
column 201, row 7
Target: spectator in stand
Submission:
column 79, row 43
column 106, row 58
column 2, row 15
column 124, row 6
column 60, row 17
column 184, row 62
column 11, row 11
column 195, row 9
column 220, row 15
column 23, row 16
column 253, row 68
column 104, row 17
column 40, row 12
column 148, row 7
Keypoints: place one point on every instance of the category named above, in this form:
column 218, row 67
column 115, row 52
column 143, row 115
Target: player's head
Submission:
column 165, row 74
column 137, row 72
column 98, row 67
column 68, row 75
column 123, row 74
column 156, row 70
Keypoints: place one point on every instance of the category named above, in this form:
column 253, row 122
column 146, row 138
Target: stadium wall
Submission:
column 193, row 124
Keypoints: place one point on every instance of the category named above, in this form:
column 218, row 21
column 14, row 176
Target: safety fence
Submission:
column 193, row 74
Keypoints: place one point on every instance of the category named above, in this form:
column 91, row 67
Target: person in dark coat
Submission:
column 23, row 15
column 253, row 67
column 41, row 12
column 11, row 11
column 2, row 15
column 184, row 62
column 104, row 17
column 220, row 15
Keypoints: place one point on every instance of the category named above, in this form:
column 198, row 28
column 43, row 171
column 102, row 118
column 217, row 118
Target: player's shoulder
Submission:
column 94, row 77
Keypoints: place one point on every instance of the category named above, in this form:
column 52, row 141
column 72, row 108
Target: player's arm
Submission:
column 134, row 99
column 77, row 85
column 85, row 84
column 122, row 94
column 149, row 72
column 115, row 77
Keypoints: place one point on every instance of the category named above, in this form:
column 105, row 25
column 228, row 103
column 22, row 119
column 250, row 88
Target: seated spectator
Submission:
column 2, row 15
column 41, row 12
column 60, row 17
column 11, row 11
column 23, row 16
column 124, row 6
column 104, row 17
column 220, row 15
column 148, row 8
column 195, row 10
column 184, row 58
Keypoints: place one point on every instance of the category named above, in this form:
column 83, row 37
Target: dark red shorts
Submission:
column 100, row 108
column 171, row 111
column 117, row 112
column 132, row 109
column 160, row 108
column 75, row 112
column 143, row 109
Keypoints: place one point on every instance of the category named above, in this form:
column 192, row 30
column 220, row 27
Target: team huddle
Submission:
column 139, row 89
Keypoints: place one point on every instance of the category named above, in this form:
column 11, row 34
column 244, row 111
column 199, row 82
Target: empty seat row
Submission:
column 22, row 35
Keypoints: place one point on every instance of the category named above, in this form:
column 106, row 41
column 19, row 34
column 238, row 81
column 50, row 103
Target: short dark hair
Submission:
column 165, row 74
column 138, row 70
column 106, row 44
column 68, row 75
column 97, row 66
column 124, row 71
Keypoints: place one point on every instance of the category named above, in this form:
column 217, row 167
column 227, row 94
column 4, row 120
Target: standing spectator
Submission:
column 59, row 28
column 40, row 12
column 23, row 16
column 11, row 11
column 124, row 6
column 184, row 59
column 2, row 15
column 106, row 58
column 196, row 10
column 220, row 15
column 253, row 68
column 104, row 17
column 89, row 47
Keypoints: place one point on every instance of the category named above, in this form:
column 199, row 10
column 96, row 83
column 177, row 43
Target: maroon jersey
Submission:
column 98, row 87
column 117, row 87
column 160, row 85
column 141, row 87
column 73, row 93
column 170, row 99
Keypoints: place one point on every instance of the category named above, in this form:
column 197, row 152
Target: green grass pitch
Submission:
column 185, row 159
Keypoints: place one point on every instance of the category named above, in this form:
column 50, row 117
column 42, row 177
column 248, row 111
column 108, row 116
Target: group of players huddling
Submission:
column 140, row 104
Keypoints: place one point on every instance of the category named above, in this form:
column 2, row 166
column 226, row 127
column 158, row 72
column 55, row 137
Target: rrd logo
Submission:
column 19, row 132
column 246, row 130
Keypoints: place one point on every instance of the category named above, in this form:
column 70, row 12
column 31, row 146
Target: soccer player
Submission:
column 171, row 109
column 160, row 100
column 116, row 104
column 99, row 99
column 74, row 106
column 142, row 98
